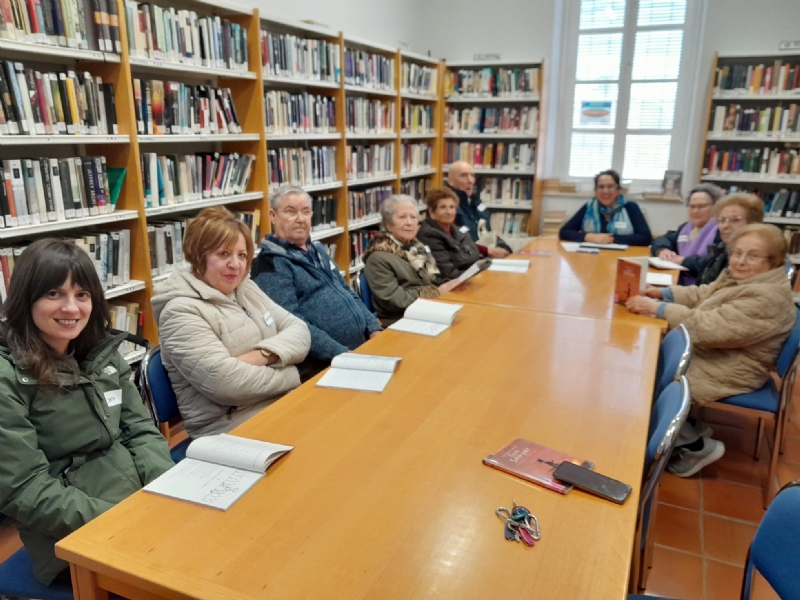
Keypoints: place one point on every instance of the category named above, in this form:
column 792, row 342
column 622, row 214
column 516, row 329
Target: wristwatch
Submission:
column 268, row 355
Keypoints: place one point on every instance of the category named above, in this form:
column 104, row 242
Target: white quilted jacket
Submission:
column 202, row 331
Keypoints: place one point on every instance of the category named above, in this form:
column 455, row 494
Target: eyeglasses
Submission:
column 699, row 206
column 293, row 212
column 731, row 220
column 750, row 259
column 606, row 188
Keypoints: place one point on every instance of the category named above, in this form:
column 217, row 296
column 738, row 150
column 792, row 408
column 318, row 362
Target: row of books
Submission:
column 368, row 70
column 510, row 224
column 174, row 108
column 782, row 203
column 43, row 103
column 367, row 203
column 285, row 55
column 417, row 79
column 69, row 23
column 520, row 157
column 416, row 188
column 758, row 79
column 763, row 161
column 511, row 120
column 42, row 190
column 792, row 240
column 502, row 189
column 770, row 121
column 288, row 113
column 324, row 216
column 414, row 157
column 416, row 118
column 127, row 316
column 183, row 37
column 364, row 162
column 359, row 240
column 364, row 115
column 299, row 166
column 175, row 179
column 489, row 82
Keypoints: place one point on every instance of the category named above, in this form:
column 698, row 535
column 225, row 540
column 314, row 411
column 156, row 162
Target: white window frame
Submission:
column 690, row 85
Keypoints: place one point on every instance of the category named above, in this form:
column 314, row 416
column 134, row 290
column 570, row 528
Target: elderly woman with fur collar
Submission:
column 399, row 269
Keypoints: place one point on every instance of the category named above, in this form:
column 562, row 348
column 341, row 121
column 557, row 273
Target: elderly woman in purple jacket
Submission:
column 688, row 245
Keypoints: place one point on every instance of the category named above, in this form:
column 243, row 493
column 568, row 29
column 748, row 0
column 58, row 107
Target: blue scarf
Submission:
column 618, row 224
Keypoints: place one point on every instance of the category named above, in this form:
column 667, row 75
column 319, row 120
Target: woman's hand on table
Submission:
column 642, row 305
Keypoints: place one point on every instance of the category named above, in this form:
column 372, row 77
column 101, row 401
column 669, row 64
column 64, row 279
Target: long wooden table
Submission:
column 568, row 283
column 385, row 495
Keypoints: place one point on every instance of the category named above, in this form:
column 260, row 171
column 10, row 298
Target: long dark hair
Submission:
column 43, row 266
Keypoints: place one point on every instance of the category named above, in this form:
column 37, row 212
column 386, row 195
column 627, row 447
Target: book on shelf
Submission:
column 416, row 118
column 671, row 184
column 302, row 166
column 175, row 108
column 76, row 24
column 507, row 156
column 416, row 188
column 415, row 157
column 182, row 36
column 510, row 265
column 769, row 77
column 218, row 470
column 359, row 240
column 126, row 316
column 286, row 55
column 165, row 240
column 505, row 190
column 426, row 317
column 288, row 113
column 362, row 372
column 783, row 203
column 54, row 103
column 364, row 162
column 490, row 82
column 419, row 79
column 753, row 121
column 367, row 203
column 510, row 224
column 44, row 190
column 478, row 120
column 177, row 179
column 765, row 161
column 324, row 212
column 533, row 462
column 367, row 116
column 369, row 70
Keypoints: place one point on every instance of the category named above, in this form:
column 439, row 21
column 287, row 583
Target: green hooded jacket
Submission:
column 70, row 455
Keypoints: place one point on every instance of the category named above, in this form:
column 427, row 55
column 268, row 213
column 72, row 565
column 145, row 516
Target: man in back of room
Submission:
column 461, row 179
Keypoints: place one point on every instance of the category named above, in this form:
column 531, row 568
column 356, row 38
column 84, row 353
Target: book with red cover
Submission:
column 533, row 462
column 631, row 278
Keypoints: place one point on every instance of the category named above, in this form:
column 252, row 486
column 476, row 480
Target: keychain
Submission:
column 521, row 524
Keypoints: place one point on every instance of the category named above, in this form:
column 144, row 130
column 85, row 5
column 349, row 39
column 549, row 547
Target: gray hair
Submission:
column 389, row 207
column 283, row 191
column 714, row 192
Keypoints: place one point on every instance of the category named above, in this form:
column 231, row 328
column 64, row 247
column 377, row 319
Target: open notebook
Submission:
column 363, row 372
column 218, row 470
column 427, row 317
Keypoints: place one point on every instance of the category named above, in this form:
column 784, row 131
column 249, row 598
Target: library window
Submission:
column 625, row 90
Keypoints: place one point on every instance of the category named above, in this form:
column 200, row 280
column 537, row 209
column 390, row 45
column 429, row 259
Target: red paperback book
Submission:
column 533, row 462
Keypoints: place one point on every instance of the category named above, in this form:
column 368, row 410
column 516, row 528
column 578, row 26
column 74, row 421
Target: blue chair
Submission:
column 160, row 399
column 366, row 293
column 668, row 415
column 773, row 551
column 769, row 402
column 17, row 580
column 673, row 358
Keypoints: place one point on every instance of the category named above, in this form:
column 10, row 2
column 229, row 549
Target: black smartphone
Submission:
column 594, row 483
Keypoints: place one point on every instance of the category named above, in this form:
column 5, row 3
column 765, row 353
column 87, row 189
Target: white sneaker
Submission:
column 703, row 430
column 685, row 463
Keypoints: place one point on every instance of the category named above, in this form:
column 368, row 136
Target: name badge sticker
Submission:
column 109, row 370
column 464, row 229
column 683, row 238
column 268, row 319
column 481, row 207
column 113, row 398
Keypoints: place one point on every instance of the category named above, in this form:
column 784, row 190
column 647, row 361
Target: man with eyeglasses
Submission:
column 298, row 274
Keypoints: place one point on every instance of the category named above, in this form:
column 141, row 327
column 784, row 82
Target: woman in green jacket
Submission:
column 75, row 436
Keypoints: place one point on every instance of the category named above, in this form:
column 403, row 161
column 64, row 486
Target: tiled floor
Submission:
column 704, row 524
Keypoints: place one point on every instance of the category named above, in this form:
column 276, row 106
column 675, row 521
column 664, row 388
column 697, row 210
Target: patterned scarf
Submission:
column 618, row 224
column 416, row 253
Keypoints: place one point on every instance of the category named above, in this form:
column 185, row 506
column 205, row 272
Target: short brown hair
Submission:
column 751, row 203
column 215, row 227
column 436, row 194
column 771, row 236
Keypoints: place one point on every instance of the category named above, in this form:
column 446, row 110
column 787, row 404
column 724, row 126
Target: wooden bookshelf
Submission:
column 532, row 201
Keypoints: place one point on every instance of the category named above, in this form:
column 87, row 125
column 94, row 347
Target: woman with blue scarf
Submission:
column 608, row 218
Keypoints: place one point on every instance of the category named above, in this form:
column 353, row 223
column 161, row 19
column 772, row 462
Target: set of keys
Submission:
column 521, row 524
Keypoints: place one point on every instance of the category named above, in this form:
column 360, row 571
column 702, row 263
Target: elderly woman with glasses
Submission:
column 737, row 324
column 688, row 245
column 608, row 218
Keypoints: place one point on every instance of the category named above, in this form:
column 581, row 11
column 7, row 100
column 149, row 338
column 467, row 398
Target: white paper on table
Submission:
column 435, row 312
column 570, row 246
column 604, row 246
column 660, row 279
column 665, row 264
column 350, row 379
column 237, row 452
column 510, row 265
column 420, row 327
